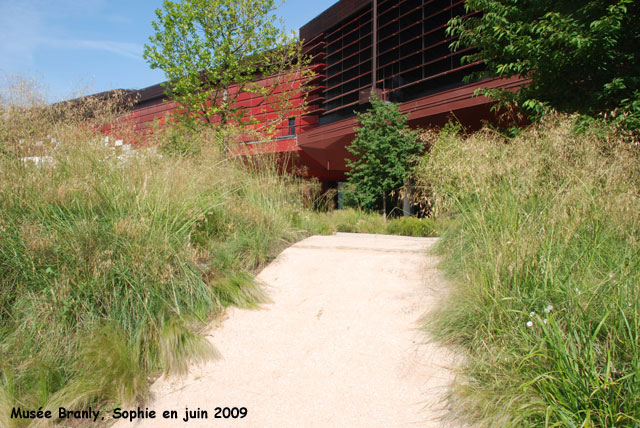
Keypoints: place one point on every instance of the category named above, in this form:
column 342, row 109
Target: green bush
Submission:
column 412, row 226
column 544, row 252
column 348, row 220
column 358, row 221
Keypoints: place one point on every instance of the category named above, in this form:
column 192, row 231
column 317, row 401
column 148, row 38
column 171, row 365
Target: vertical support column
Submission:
column 374, row 57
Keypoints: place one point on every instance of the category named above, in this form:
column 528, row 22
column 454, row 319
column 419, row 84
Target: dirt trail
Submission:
column 337, row 347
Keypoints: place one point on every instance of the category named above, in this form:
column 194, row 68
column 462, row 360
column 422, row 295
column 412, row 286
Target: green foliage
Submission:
column 179, row 345
column 385, row 151
column 543, row 247
column 581, row 56
column 110, row 264
column 357, row 221
column 179, row 141
column 113, row 360
column 212, row 51
column 412, row 226
column 350, row 221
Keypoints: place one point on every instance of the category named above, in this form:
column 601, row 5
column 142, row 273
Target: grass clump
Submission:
column 359, row 221
column 543, row 246
column 412, row 226
column 350, row 220
column 109, row 264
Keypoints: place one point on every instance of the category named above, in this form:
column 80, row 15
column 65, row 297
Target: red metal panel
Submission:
column 339, row 40
column 327, row 143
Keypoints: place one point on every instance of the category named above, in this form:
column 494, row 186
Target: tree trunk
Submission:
column 222, row 132
column 384, row 206
column 406, row 200
column 223, row 113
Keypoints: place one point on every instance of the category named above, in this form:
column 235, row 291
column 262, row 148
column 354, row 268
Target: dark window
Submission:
column 292, row 126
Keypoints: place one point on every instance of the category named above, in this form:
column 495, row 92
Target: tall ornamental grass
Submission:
column 543, row 247
column 111, row 262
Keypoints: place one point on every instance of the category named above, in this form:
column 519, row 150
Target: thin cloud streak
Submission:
column 29, row 25
column 18, row 24
column 125, row 49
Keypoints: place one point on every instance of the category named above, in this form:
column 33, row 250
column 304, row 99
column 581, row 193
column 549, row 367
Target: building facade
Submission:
column 398, row 49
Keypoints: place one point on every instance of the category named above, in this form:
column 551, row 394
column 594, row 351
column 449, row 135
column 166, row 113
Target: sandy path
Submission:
column 338, row 347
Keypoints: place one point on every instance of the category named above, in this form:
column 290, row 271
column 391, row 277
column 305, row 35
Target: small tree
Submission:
column 581, row 55
column 385, row 151
column 214, row 52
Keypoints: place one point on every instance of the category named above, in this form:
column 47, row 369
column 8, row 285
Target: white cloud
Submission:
column 27, row 25
column 129, row 50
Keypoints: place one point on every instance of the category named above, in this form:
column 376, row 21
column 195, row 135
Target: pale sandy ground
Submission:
column 337, row 347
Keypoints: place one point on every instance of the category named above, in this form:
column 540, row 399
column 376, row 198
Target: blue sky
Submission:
column 86, row 46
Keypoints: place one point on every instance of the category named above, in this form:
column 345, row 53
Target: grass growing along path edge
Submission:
column 111, row 262
column 543, row 246
column 110, row 266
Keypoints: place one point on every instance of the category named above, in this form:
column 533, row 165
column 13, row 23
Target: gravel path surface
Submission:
column 337, row 347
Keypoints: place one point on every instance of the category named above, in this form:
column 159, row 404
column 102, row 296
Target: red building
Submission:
column 399, row 48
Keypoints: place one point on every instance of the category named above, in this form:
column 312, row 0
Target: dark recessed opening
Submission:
column 292, row 126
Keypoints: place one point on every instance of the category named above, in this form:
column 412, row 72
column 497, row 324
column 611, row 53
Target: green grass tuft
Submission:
column 110, row 265
column 543, row 247
column 179, row 345
column 411, row 226
column 357, row 221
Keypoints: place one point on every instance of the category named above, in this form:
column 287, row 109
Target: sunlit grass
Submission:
column 110, row 264
column 112, row 261
column 544, row 252
column 357, row 221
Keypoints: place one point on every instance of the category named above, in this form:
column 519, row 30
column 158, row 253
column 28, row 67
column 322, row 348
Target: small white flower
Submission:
column 578, row 292
column 532, row 314
column 610, row 276
column 530, row 324
column 629, row 304
column 548, row 309
column 545, row 321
